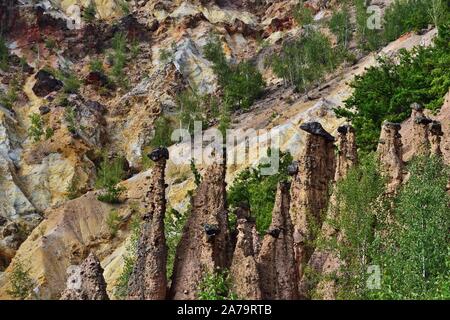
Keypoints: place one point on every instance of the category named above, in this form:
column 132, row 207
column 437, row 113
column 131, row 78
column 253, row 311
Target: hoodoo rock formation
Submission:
column 436, row 134
column 277, row 268
column 86, row 281
column 204, row 243
column 310, row 189
column 244, row 268
column 421, row 145
column 390, row 155
column 325, row 262
column 148, row 280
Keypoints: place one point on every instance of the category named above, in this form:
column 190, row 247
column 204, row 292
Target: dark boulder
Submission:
column 46, row 83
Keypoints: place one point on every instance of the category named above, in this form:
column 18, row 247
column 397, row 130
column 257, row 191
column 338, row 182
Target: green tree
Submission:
column 110, row 173
column 163, row 131
column 304, row 62
column 385, row 91
column 415, row 261
column 242, row 83
column 258, row 191
column 341, row 27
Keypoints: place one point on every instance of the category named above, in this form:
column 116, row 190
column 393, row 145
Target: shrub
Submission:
column 89, row 12
column 197, row 175
column 163, row 130
column 50, row 44
column 96, row 65
column 174, row 222
column 192, row 108
column 36, row 127
column 8, row 98
column 216, row 286
column 113, row 222
column 386, row 91
column 124, row 6
column 110, row 173
column 258, row 191
column 305, row 61
column 72, row 191
column 242, row 84
column 129, row 257
column 70, row 118
column 70, row 81
column 21, row 284
column 303, row 15
column 119, row 58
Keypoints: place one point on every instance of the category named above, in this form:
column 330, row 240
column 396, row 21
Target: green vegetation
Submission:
column 124, row 6
column 303, row 15
column 305, row 61
column 110, row 173
column 119, row 59
column 173, row 223
column 197, row 175
column 369, row 39
column 163, row 131
column 113, row 222
column 129, row 257
column 417, row 253
column 242, row 83
column 21, row 284
column 50, row 44
column 70, row 118
column 70, row 80
column 404, row 236
column 386, row 91
column 193, row 107
column 96, row 65
column 72, row 191
column 4, row 54
column 89, row 12
column 36, row 129
column 216, row 286
column 258, row 191
column 341, row 27
column 8, row 98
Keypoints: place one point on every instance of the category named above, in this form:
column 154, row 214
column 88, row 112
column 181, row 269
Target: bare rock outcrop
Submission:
column 390, row 155
column 310, row 189
column 204, row 243
column 244, row 268
column 277, row 268
column 86, row 281
column 148, row 281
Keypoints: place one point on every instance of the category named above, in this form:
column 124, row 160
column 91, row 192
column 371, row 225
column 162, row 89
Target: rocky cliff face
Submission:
column 39, row 224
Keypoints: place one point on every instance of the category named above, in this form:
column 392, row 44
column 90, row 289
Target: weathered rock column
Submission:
column 204, row 243
column 347, row 151
column 276, row 261
column 148, row 280
column 421, row 145
column 324, row 262
column 310, row 189
column 86, row 281
column 435, row 138
column 390, row 155
column 244, row 268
